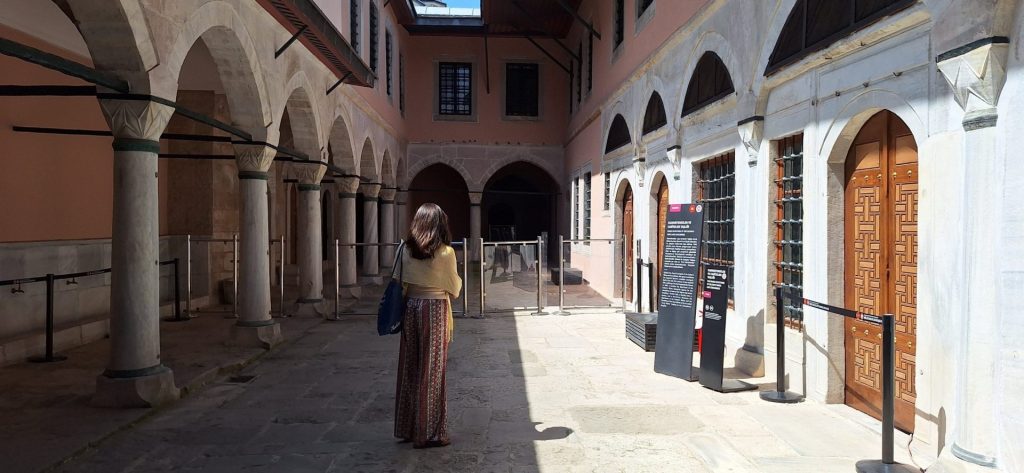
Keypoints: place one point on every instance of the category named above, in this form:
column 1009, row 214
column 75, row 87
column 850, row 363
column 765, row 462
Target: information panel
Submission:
column 677, row 309
column 712, row 351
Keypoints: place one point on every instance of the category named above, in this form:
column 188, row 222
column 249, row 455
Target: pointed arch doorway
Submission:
column 880, row 276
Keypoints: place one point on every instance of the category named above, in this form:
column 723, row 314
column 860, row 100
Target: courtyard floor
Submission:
column 525, row 394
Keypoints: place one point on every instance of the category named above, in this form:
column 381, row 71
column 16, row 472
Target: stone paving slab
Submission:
column 518, row 403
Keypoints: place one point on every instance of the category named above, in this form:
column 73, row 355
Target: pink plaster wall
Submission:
column 490, row 127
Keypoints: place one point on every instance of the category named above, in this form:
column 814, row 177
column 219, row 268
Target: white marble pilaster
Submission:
column 135, row 376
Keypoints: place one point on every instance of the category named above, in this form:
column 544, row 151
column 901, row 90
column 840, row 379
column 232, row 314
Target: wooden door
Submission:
column 881, row 261
column 660, row 249
column 627, row 236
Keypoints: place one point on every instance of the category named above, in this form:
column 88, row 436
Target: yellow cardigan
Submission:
column 440, row 271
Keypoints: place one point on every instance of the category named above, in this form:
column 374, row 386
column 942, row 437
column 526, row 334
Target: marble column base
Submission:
column 377, row 279
column 148, row 390
column 350, row 291
column 260, row 336
column 310, row 308
column 948, row 462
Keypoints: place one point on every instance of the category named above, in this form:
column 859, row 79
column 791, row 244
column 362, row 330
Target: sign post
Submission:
column 677, row 308
column 712, row 351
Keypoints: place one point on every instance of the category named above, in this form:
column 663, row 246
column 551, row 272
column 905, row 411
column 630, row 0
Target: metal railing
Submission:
column 190, row 240
column 537, row 262
column 562, row 306
column 50, row 279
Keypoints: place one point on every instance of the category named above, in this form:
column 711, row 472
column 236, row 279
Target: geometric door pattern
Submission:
column 880, row 201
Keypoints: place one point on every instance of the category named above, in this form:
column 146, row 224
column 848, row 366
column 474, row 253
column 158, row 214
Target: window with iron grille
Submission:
column 607, row 191
column 572, row 80
column 373, row 37
column 455, row 80
column 620, row 23
column 586, row 206
column 789, row 224
column 387, row 59
column 642, row 6
column 576, row 208
column 590, row 63
column 353, row 24
column 716, row 191
column 579, row 78
column 401, row 83
column 522, row 87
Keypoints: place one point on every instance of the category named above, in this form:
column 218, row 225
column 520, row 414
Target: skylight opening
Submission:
column 447, row 9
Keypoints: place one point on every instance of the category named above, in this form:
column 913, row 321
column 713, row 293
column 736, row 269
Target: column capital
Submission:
column 253, row 157
column 135, row 120
column 388, row 194
column 346, row 185
column 976, row 72
column 370, row 189
column 309, row 173
column 475, row 197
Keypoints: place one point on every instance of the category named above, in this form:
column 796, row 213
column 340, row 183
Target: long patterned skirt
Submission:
column 421, row 407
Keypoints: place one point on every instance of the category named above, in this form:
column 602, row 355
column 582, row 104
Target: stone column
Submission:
column 387, row 227
column 402, row 214
column 976, row 74
column 135, row 376
column 255, row 326
column 349, row 276
column 311, row 263
column 475, row 197
column 371, row 257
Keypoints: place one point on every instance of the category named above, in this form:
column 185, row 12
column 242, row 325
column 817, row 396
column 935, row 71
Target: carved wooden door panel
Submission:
column 627, row 232
column 881, row 261
column 662, row 221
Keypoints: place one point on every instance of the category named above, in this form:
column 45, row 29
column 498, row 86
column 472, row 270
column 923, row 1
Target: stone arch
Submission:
column 618, row 135
column 654, row 117
column 608, row 117
column 422, row 164
column 225, row 35
column 117, row 43
column 387, row 169
column 302, row 113
column 623, row 183
column 546, row 165
column 523, row 195
column 710, row 42
column 445, row 186
column 367, row 162
column 339, row 141
column 841, row 131
column 757, row 78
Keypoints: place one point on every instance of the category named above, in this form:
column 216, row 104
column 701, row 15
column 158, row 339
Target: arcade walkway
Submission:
column 526, row 394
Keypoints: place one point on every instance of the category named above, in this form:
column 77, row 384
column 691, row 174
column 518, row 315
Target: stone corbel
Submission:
column 751, row 132
column 640, row 164
column 976, row 73
column 675, row 157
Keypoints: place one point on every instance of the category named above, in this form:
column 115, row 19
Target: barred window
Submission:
column 522, row 86
column 353, row 24
column 401, row 83
column 579, row 78
column 576, row 208
column 455, row 88
column 607, row 191
column 716, row 191
column 373, row 36
column 620, row 23
column 586, row 206
column 572, row 80
column 642, row 6
column 789, row 224
column 387, row 59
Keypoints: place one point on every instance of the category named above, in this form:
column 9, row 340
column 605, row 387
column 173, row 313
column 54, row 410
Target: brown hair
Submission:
column 429, row 230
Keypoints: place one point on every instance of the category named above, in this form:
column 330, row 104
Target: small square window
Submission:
column 455, row 88
column 522, row 86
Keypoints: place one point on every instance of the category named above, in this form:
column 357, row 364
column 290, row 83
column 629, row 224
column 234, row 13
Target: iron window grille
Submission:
column 387, row 59
column 620, row 23
column 716, row 191
column 789, row 225
column 590, row 62
column 401, row 83
column 455, row 96
column 572, row 80
column 579, row 77
column 373, row 37
column 710, row 83
column 576, row 208
column 522, row 87
column 586, row 207
column 607, row 191
column 353, row 24
column 642, row 6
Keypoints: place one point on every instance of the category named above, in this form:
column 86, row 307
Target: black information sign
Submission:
column 712, row 351
column 677, row 309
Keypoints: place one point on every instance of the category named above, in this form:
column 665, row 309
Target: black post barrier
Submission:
column 178, row 316
column 49, row 356
column 639, row 285
column 780, row 394
column 651, row 303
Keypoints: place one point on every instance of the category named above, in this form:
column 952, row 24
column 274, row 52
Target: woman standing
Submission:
column 431, row 279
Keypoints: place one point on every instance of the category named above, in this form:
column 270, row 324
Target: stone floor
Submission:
column 525, row 394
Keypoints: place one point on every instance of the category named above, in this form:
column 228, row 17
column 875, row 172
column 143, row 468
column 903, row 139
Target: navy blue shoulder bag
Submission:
column 392, row 303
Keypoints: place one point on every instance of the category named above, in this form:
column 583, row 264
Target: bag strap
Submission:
column 398, row 263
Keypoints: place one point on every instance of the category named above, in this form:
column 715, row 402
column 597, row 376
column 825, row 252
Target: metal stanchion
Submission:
column 49, row 356
column 624, row 269
column 652, row 305
column 234, row 279
column 561, row 277
column 483, row 284
column 337, row 276
column 280, row 280
column 177, row 295
column 540, row 281
column 780, row 394
column 188, row 276
column 465, row 275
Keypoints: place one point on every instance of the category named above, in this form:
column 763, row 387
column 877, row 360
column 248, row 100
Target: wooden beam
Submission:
column 546, row 53
column 572, row 11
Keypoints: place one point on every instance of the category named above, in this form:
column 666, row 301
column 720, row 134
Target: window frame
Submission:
column 505, row 103
column 588, row 179
column 354, row 26
column 374, row 32
column 472, row 115
column 643, row 17
column 607, row 191
column 618, row 25
column 718, row 203
column 787, row 179
column 388, row 51
column 590, row 63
